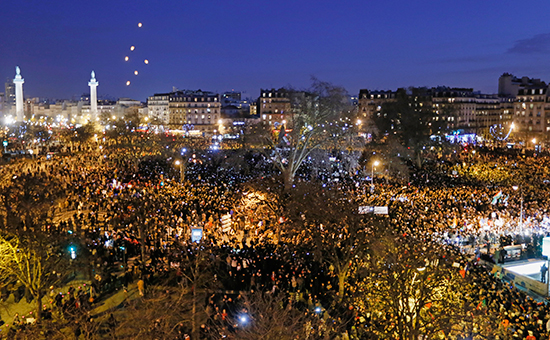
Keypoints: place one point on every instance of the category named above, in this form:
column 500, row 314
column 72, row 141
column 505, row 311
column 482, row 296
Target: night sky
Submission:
column 248, row 45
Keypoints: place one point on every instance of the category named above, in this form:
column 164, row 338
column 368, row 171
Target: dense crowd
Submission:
column 129, row 203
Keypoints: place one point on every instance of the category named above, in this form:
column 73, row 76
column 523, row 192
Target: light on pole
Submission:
column 515, row 187
column 180, row 163
column 375, row 163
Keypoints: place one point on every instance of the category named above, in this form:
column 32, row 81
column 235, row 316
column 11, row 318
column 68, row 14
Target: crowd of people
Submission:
column 134, row 211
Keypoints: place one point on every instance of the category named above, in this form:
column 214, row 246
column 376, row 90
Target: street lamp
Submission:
column 180, row 163
column 515, row 187
column 375, row 163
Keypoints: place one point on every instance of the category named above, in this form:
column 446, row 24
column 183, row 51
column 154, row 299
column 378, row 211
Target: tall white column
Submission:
column 18, row 81
column 93, row 96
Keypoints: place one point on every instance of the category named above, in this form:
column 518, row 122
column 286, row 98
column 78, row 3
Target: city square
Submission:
column 136, row 209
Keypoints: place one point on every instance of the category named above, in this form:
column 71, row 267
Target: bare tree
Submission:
column 156, row 316
column 409, row 291
column 171, row 308
column 408, row 118
column 263, row 199
column 270, row 317
column 332, row 226
column 36, row 262
column 196, row 269
column 315, row 120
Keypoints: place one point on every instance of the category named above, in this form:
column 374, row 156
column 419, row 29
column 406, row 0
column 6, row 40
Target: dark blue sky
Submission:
column 248, row 45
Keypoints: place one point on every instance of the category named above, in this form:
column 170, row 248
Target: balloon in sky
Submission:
column 127, row 58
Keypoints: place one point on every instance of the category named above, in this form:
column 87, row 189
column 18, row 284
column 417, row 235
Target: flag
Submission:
column 482, row 303
column 463, row 273
column 505, row 200
column 496, row 197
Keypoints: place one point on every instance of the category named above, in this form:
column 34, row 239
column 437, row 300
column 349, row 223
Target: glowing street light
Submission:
column 243, row 319
column 180, row 164
column 515, row 187
column 374, row 164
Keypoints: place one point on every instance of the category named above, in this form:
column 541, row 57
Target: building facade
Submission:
column 9, row 98
column 274, row 106
column 532, row 112
column 158, row 108
column 457, row 110
column 528, row 104
column 197, row 111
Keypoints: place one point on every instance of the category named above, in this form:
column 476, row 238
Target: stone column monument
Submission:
column 93, row 97
column 19, row 109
